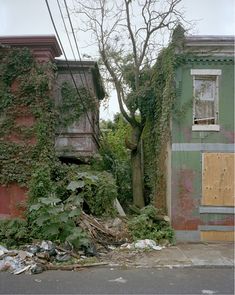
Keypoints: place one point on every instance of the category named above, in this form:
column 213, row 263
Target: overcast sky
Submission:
column 30, row 17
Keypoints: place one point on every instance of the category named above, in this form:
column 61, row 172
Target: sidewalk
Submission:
column 181, row 255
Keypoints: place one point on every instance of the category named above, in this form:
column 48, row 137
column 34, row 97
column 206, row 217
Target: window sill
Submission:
column 206, row 128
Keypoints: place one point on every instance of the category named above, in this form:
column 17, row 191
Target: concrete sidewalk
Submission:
column 180, row 255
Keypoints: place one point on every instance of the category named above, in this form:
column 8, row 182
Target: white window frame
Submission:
column 207, row 72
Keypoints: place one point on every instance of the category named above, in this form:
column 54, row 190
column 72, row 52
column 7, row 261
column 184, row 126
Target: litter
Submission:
column 37, row 268
column 63, row 257
column 142, row 244
column 119, row 280
column 17, row 272
column 3, row 251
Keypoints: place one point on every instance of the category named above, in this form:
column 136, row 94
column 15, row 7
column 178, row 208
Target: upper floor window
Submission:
column 206, row 96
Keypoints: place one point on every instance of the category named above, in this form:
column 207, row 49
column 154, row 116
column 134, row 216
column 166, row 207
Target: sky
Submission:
column 30, row 17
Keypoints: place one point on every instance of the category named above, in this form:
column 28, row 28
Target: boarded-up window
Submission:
column 218, row 179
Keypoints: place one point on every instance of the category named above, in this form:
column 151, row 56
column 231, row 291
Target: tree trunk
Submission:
column 137, row 171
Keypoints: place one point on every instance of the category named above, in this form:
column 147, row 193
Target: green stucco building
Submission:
column 200, row 194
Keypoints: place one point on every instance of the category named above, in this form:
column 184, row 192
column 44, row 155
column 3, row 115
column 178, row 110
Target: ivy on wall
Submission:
column 29, row 117
column 157, row 132
column 26, row 115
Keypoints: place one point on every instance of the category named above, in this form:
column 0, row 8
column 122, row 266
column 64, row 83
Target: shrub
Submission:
column 14, row 232
column 147, row 225
column 98, row 189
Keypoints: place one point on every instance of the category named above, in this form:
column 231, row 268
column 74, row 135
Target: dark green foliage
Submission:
column 18, row 62
column 157, row 128
column 73, row 105
column 98, row 189
column 14, row 232
column 115, row 157
column 148, row 226
column 52, row 219
column 29, row 98
column 25, row 92
column 57, row 196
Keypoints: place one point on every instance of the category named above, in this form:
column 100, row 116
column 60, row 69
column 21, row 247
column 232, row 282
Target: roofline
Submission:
column 33, row 41
column 217, row 45
column 75, row 63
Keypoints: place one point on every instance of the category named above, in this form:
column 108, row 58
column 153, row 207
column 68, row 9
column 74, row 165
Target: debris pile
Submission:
column 104, row 234
column 40, row 257
column 108, row 240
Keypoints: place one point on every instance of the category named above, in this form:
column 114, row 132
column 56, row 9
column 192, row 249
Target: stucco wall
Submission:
column 188, row 147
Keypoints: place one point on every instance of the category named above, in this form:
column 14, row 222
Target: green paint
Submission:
column 182, row 125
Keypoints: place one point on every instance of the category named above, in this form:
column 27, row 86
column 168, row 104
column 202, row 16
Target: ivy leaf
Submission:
column 35, row 207
column 75, row 212
column 41, row 219
column 63, row 217
column 52, row 229
column 49, row 201
column 76, row 184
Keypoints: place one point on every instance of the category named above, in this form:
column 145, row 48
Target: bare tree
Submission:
column 128, row 35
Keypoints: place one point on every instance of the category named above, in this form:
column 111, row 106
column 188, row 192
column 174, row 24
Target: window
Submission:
column 205, row 105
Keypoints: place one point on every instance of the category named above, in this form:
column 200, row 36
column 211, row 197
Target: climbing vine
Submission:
column 29, row 118
column 157, row 132
column 26, row 112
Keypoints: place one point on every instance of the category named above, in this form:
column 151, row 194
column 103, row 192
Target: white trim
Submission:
column 208, row 72
column 210, row 127
column 206, row 147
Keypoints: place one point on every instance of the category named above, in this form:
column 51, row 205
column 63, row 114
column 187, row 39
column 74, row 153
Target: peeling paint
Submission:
column 185, row 204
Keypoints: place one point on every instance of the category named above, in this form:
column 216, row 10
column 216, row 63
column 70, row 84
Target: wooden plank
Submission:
column 218, row 179
column 217, row 236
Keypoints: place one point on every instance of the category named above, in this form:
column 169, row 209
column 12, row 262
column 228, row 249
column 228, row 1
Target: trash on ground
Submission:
column 40, row 257
column 142, row 244
column 119, row 280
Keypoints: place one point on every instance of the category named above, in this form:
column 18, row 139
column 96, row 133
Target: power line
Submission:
column 78, row 52
column 61, row 14
column 75, row 40
column 78, row 93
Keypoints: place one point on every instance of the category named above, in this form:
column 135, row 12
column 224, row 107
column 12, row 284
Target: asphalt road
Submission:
column 117, row 281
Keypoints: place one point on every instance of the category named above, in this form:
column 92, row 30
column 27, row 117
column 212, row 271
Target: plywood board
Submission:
column 217, row 236
column 218, row 179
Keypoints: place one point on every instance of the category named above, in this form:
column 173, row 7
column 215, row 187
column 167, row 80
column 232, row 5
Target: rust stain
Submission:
column 187, row 134
column 184, row 203
column 229, row 135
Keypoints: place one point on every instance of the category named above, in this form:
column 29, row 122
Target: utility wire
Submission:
column 75, row 40
column 70, row 71
column 61, row 14
column 78, row 52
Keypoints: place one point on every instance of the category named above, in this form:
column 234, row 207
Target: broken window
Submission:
column 205, row 106
column 204, row 100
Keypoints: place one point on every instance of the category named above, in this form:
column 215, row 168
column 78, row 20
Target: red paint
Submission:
column 226, row 221
column 17, row 138
column 15, row 86
column 184, row 204
column 26, row 121
column 13, row 200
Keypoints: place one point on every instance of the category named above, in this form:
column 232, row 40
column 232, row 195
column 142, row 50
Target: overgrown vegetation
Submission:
column 58, row 193
column 115, row 157
column 29, row 120
column 148, row 225
column 14, row 232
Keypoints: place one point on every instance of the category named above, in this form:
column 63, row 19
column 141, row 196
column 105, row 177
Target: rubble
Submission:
column 104, row 232
column 40, row 257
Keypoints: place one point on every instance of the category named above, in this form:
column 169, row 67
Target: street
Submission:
column 212, row 280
